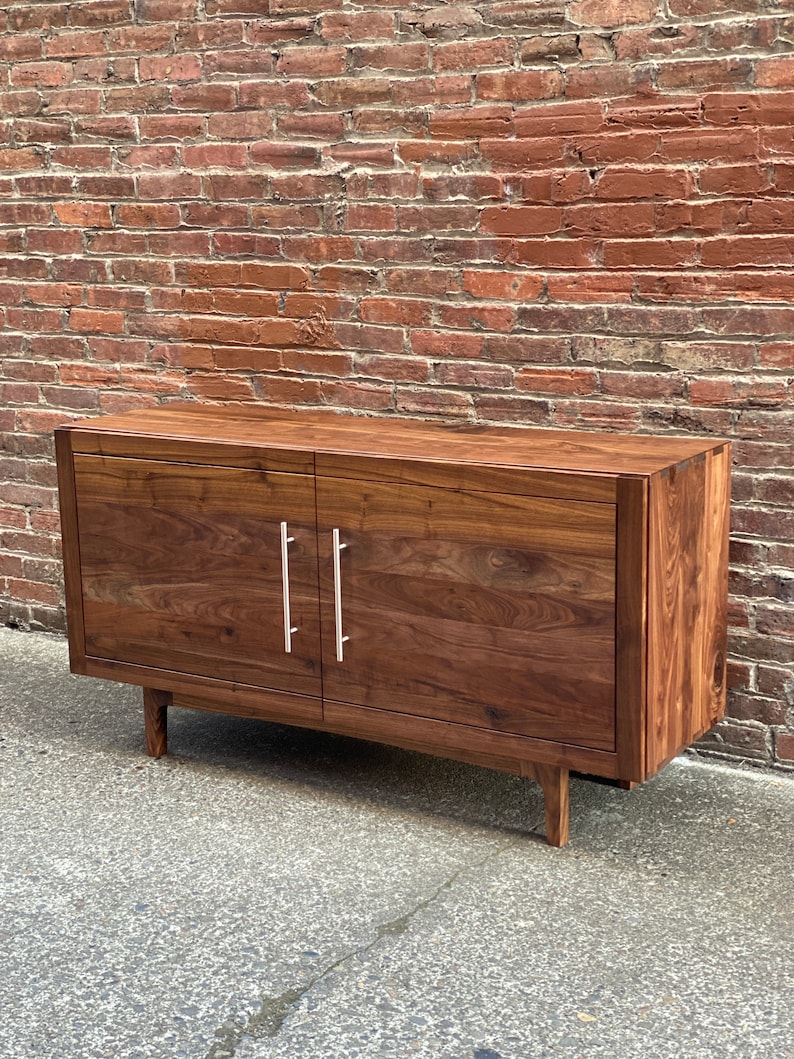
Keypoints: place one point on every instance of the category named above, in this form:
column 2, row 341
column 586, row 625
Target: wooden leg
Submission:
column 555, row 784
column 155, row 714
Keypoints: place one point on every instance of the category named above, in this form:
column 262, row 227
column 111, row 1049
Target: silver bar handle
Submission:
column 289, row 628
column 340, row 639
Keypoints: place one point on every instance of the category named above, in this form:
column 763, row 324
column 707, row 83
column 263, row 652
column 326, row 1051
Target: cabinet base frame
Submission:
column 554, row 780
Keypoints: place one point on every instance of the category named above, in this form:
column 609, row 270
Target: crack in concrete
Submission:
column 274, row 1010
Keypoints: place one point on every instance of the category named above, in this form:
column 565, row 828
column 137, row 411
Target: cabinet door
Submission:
column 485, row 609
column 182, row 570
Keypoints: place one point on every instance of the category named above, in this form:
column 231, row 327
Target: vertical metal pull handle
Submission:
column 340, row 639
column 289, row 628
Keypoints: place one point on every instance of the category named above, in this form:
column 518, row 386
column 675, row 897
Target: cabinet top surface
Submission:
column 327, row 431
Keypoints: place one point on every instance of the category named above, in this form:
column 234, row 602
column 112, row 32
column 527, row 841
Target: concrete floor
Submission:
column 270, row 892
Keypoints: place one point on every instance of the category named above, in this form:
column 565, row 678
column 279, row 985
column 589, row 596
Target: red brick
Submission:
column 74, row 44
column 474, row 376
column 432, row 91
column 21, row 158
column 734, row 179
column 468, row 123
column 557, row 380
column 148, row 215
column 312, row 62
column 776, row 72
column 615, row 221
column 361, row 154
column 99, row 13
column 636, row 146
column 776, row 355
column 600, row 81
column 357, row 26
column 206, row 98
column 519, row 85
column 651, row 253
column 644, row 183
column 436, row 218
column 117, row 127
column 521, row 220
column 40, row 17
column 84, row 214
column 512, row 286
column 64, row 294
column 41, row 74
column 278, row 390
column 355, row 394
column 447, row 403
column 140, row 40
column 597, row 287
column 352, row 92
column 748, row 250
column 396, row 368
column 285, row 155
column 263, row 94
column 170, row 68
column 554, row 253
column 403, row 57
column 91, row 320
column 446, row 344
column 474, row 186
column 705, row 74
column 784, row 746
column 466, row 55
column 395, row 311
column 606, row 13
column 509, row 408
column 312, row 125
column 477, row 316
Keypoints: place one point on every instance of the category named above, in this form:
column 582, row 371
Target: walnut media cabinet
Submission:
column 535, row 601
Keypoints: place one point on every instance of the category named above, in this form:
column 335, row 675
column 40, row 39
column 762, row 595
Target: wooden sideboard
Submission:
column 535, row 601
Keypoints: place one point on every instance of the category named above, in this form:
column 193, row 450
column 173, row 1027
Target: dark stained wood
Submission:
column 489, row 478
column 70, row 550
column 238, row 699
column 530, row 600
column 482, row 609
column 479, row 746
column 630, row 677
column 220, row 453
column 555, row 784
column 155, row 712
column 687, row 594
column 327, row 431
column 267, row 706
column 181, row 569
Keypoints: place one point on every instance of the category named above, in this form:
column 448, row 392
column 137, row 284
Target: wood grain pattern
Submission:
column 491, row 478
column 483, row 609
column 481, row 746
column 181, row 569
column 155, row 712
column 70, row 549
column 327, row 431
column 534, row 601
column 631, row 626
column 555, row 784
column 687, row 593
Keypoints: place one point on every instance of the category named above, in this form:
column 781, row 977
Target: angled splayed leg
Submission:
column 155, row 714
column 555, row 784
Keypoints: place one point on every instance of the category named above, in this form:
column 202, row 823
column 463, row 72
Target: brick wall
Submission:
column 566, row 214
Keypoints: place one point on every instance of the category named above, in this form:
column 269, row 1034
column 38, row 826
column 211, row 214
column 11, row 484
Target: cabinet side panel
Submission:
column 688, row 593
column 67, row 502
column 631, row 620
